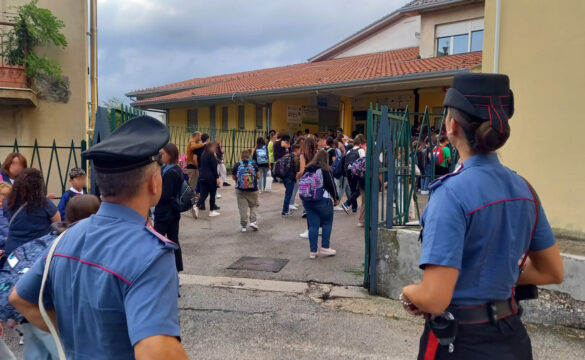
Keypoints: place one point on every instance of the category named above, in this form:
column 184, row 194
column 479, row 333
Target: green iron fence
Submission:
column 53, row 161
column 391, row 191
column 120, row 115
column 233, row 141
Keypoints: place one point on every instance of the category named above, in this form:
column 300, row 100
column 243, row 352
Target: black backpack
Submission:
column 283, row 166
column 348, row 159
column 186, row 197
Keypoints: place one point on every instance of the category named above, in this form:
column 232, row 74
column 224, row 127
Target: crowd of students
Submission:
column 29, row 222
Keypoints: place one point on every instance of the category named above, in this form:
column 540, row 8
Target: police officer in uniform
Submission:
column 112, row 283
column 481, row 223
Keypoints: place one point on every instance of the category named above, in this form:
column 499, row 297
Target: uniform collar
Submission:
column 120, row 212
column 72, row 189
column 483, row 159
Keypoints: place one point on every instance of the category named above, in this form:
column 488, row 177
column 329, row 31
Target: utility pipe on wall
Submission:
column 93, row 61
column 497, row 37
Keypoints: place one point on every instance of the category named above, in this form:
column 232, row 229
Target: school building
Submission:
column 409, row 57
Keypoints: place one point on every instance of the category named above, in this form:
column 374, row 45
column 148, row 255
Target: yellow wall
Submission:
column 48, row 121
column 542, row 46
column 178, row 117
column 430, row 20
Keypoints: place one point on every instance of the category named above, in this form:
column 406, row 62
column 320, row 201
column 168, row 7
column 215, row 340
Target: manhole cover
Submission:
column 259, row 264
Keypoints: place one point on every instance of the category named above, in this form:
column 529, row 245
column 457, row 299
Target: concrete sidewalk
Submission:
column 212, row 244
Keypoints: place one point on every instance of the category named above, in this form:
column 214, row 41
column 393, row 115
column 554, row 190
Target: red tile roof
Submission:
column 338, row 71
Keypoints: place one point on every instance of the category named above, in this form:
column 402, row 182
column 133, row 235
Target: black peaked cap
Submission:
column 134, row 144
column 487, row 97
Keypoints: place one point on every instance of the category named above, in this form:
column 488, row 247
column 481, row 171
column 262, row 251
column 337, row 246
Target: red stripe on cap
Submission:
column 432, row 345
column 95, row 265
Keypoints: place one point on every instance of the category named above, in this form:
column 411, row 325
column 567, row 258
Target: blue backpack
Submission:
column 262, row 155
column 311, row 186
column 18, row 263
column 246, row 176
column 337, row 167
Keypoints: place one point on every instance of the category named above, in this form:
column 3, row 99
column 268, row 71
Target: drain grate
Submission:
column 259, row 264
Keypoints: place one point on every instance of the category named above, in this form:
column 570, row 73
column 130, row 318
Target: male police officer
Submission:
column 112, row 281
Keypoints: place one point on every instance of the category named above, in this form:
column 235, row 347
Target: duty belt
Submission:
column 485, row 313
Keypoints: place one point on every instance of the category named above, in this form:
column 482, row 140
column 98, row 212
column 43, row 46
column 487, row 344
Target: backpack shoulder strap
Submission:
column 16, row 213
column 42, row 310
column 537, row 206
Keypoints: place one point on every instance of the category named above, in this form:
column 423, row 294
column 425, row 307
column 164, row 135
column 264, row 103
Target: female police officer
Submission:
column 478, row 226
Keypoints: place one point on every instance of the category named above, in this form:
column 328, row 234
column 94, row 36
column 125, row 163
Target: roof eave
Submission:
column 299, row 89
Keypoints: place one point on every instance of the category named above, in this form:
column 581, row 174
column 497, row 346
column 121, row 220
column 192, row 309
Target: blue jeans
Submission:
column 263, row 175
column 426, row 180
column 319, row 214
column 294, row 193
column 289, row 185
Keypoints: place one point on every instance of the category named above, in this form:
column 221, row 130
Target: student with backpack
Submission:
column 442, row 156
column 166, row 212
column 246, row 174
column 355, row 183
column 38, row 344
column 287, row 168
column 319, row 194
column 262, row 159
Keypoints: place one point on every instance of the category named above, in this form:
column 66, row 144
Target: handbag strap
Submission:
column 44, row 314
column 16, row 213
column 537, row 205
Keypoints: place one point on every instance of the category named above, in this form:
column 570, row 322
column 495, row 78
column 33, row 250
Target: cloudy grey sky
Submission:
column 145, row 43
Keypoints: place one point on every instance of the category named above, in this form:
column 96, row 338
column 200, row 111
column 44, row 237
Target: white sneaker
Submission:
column 304, row 235
column 293, row 207
column 244, row 229
column 327, row 252
column 312, row 255
column 218, row 196
column 213, row 213
column 195, row 212
column 424, row 192
column 254, row 226
column 338, row 208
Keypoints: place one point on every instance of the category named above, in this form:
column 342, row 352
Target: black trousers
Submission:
column 441, row 170
column 208, row 188
column 170, row 229
column 505, row 340
column 354, row 187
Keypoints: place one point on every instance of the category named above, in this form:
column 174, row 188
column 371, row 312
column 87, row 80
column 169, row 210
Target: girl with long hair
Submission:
column 166, row 213
column 29, row 211
column 320, row 207
column 208, row 180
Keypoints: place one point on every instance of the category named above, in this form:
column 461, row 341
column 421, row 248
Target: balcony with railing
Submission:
column 14, row 85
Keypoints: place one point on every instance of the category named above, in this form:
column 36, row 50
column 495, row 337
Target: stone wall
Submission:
column 397, row 265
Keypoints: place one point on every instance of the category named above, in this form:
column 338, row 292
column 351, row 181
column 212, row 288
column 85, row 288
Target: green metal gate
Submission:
column 53, row 161
column 391, row 196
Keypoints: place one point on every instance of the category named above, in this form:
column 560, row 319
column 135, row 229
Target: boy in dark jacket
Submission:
column 291, row 178
column 78, row 181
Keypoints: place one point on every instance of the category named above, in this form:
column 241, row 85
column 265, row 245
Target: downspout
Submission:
column 497, row 37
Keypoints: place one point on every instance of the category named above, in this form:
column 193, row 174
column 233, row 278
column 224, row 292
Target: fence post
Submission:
column 83, row 148
column 368, row 228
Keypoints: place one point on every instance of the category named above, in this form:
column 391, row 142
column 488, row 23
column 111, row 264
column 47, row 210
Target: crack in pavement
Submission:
column 226, row 311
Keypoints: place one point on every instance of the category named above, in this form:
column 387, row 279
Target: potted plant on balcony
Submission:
column 33, row 27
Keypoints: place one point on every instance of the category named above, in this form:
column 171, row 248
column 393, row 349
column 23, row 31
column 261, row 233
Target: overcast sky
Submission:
column 145, row 43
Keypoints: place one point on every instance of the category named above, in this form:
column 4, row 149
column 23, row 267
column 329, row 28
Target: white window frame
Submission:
column 451, row 30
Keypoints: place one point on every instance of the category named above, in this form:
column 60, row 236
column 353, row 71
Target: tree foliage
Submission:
column 35, row 27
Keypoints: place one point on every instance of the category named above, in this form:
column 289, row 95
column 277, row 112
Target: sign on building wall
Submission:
column 310, row 115
column 362, row 103
column 294, row 114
